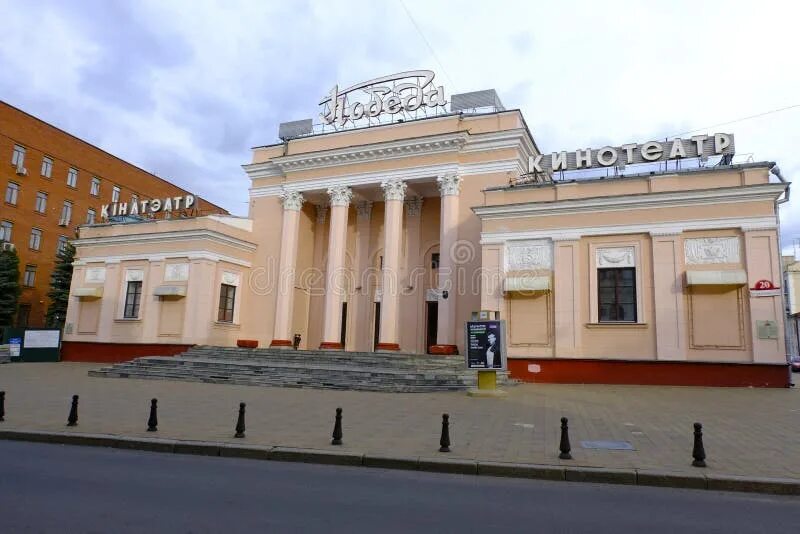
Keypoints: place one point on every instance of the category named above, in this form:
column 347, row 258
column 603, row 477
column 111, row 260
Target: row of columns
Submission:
column 335, row 284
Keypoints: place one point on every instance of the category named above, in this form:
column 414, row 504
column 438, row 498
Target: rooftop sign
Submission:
column 701, row 146
column 143, row 207
column 404, row 92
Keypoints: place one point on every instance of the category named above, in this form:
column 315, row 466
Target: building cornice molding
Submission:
column 188, row 254
column 648, row 201
column 654, row 229
column 166, row 237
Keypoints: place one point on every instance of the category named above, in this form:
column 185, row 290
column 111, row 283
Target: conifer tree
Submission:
column 59, row 287
column 9, row 286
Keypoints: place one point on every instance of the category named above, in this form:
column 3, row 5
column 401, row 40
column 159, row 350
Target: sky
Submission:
column 184, row 89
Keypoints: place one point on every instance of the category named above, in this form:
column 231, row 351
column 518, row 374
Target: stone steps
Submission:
column 303, row 369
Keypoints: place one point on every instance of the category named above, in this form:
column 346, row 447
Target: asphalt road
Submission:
column 58, row 488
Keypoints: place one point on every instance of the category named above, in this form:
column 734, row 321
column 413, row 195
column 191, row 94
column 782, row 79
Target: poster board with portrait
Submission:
column 486, row 345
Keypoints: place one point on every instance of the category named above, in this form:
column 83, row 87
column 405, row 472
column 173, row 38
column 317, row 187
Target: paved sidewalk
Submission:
column 748, row 432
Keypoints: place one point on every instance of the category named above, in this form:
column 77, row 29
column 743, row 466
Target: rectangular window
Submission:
column 133, row 296
column 62, row 244
column 72, row 177
column 5, row 231
column 90, row 216
column 94, row 189
column 18, row 156
column 47, row 167
column 115, row 194
column 434, row 260
column 41, row 202
column 35, row 242
column 29, row 278
column 227, row 297
column 12, row 192
column 66, row 213
column 616, row 295
column 23, row 315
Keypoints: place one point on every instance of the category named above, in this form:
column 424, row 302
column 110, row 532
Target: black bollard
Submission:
column 564, row 446
column 698, row 452
column 444, row 441
column 2, row 405
column 337, row 428
column 152, row 422
column 72, row 420
column 240, row 422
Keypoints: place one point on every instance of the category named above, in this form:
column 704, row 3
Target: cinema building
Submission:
column 388, row 237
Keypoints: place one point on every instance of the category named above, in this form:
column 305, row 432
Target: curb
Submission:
column 639, row 477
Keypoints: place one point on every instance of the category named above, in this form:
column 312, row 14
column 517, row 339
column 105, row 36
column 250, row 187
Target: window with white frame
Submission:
column 41, row 202
column 115, row 194
column 90, row 216
column 133, row 298
column 29, row 278
column 47, row 167
column 66, row 213
column 616, row 291
column 35, row 242
column 18, row 156
column 94, row 188
column 5, row 231
column 12, row 192
column 227, row 299
column 62, row 244
column 72, row 177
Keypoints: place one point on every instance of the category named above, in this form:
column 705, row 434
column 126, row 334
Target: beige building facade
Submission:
column 388, row 238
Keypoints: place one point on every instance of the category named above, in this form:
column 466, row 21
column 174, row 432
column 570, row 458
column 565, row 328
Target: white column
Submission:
column 284, row 303
column 362, row 338
column 412, row 311
column 335, row 277
column 449, row 187
column 393, row 193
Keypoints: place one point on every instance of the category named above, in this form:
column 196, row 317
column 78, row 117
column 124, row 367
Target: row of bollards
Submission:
column 564, row 447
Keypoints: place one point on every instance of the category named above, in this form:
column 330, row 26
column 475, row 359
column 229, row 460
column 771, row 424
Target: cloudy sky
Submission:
column 185, row 88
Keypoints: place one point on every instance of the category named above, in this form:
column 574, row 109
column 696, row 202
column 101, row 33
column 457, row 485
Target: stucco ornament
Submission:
column 394, row 189
column 229, row 278
column 95, row 275
column 414, row 206
column 292, row 200
column 449, row 184
column 176, row 272
column 711, row 250
column 616, row 257
column 529, row 256
column 341, row 195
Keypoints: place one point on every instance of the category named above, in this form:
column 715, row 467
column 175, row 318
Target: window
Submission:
column 62, row 244
column 23, row 315
column 66, row 213
column 616, row 294
column 90, row 216
column 133, row 296
column 12, row 192
column 18, row 156
column 41, row 202
column 5, row 231
column 227, row 297
column 94, row 189
column 115, row 194
column 29, row 279
column 47, row 167
column 35, row 242
column 434, row 260
column 72, row 177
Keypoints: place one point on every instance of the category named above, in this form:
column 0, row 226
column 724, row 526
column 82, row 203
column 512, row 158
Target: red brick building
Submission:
column 52, row 183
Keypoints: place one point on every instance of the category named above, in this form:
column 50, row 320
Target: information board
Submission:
column 486, row 344
column 42, row 339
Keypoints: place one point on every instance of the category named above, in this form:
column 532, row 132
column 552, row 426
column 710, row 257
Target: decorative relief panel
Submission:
column 95, row 275
column 529, row 256
column 615, row 257
column 134, row 275
column 711, row 250
column 229, row 278
column 176, row 272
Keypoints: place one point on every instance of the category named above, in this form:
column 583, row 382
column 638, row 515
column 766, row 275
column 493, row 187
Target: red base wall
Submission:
column 579, row 371
column 82, row 351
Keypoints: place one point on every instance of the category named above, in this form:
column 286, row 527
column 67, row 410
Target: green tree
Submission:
column 9, row 286
column 59, row 287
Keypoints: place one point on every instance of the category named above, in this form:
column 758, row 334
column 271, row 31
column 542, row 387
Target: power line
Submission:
column 414, row 22
column 736, row 120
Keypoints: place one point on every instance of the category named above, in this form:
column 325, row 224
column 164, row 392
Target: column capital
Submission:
column 449, row 184
column 341, row 195
column 414, row 206
column 291, row 200
column 394, row 189
column 364, row 210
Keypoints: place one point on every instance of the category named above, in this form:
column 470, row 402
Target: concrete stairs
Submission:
column 362, row 371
